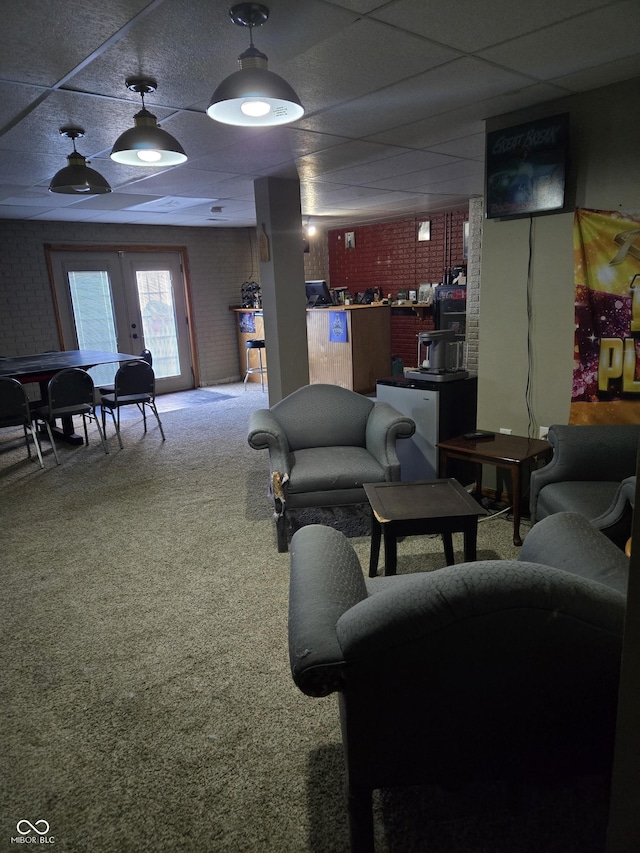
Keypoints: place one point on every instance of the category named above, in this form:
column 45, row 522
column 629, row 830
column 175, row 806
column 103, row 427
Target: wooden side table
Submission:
column 415, row 509
column 513, row 452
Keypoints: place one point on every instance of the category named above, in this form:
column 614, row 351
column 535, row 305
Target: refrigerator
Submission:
column 451, row 308
column 440, row 410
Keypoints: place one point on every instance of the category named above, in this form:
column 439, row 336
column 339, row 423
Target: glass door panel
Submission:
column 126, row 302
column 159, row 328
column 93, row 316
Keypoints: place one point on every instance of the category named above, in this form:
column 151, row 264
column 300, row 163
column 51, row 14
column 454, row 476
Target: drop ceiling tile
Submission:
column 433, row 131
column 352, row 154
column 378, row 199
column 602, row 75
column 168, row 204
column 43, row 33
column 458, row 24
column 570, row 46
column 110, row 201
column 390, row 167
column 45, row 199
column 14, row 99
column 26, row 168
column 67, row 214
column 361, row 59
column 468, row 147
column 459, row 83
column 179, row 182
column 21, row 211
column 423, row 180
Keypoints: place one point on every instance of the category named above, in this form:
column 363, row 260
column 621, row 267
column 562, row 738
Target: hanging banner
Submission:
column 606, row 374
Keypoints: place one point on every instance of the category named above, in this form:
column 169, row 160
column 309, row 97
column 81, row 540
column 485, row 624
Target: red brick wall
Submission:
column 388, row 255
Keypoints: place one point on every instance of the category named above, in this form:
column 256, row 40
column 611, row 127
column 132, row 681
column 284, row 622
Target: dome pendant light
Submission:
column 77, row 178
column 146, row 144
column 253, row 96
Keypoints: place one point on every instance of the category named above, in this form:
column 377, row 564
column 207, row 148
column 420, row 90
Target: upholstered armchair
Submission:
column 592, row 472
column 324, row 442
column 486, row 670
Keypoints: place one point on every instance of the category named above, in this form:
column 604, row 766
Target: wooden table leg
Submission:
column 390, row 549
column 477, row 486
column 470, row 534
column 447, row 541
column 516, row 486
column 376, row 532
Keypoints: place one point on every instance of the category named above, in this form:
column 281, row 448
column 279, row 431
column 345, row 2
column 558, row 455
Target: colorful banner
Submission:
column 606, row 375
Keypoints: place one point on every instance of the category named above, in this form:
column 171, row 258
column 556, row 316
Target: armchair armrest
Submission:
column 604, row 452
column 265, row 433
column 326, row 580
column 622, row 504
column 384, row 426
column 568, row 541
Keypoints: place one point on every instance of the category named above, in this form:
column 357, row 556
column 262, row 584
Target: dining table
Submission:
column 41, row 366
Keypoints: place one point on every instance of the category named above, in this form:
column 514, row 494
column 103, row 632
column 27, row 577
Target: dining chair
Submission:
column 70, row 392
column 135, row 384
column 145, row 355
column 14, row 411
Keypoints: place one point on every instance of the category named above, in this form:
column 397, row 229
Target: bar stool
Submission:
column 258, row 344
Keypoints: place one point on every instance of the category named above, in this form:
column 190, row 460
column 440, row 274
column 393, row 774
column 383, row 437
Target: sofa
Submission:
column 592, row 472
column 487, row 670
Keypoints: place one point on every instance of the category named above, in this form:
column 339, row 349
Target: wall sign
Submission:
column 526, row 167
column 338, row 327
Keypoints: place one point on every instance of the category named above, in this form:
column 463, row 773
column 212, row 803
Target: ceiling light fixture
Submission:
column 309, row 228
column 77, row 178
column 253, row 96
column 146, row 144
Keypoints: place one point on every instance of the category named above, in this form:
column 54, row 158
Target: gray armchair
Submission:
column 592, row 472
column 486, row 670
column 324, row 442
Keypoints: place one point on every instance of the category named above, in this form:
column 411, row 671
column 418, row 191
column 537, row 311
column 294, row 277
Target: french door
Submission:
column 126, row 302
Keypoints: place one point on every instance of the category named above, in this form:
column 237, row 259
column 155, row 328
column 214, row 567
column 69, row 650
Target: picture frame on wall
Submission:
column 424, row 230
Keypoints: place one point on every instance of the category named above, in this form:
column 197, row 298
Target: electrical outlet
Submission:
column 505, row 431
column 542, row 432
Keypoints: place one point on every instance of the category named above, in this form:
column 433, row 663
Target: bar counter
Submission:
column 355, row 363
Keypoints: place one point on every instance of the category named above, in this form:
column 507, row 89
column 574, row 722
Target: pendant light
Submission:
column 253, row 96
column 77, row 177
column 146, row 144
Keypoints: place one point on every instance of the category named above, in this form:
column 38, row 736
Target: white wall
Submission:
column 604, row 175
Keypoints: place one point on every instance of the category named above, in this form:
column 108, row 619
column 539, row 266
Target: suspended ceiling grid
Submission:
column 396, row 97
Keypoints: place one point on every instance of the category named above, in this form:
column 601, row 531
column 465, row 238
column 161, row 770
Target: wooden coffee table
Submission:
column 513, row 452
column 415, row 509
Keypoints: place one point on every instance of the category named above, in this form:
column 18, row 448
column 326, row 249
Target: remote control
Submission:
column 476, row 436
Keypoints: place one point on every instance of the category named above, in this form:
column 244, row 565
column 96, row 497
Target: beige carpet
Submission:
column 147, row 703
